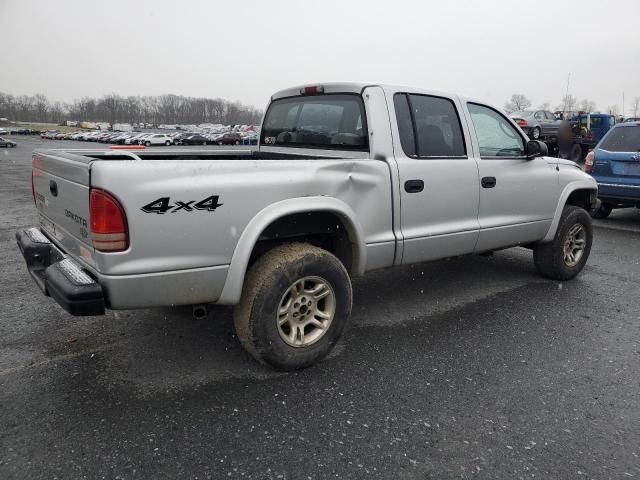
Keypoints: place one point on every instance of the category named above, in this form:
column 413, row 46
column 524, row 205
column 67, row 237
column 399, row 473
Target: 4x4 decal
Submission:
column 163, row 205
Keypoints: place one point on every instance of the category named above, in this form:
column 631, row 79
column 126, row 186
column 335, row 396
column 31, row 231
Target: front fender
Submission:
column 240, row 260
column 585, row 184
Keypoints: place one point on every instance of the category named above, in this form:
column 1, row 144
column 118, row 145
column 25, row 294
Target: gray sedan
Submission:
column 537, row 123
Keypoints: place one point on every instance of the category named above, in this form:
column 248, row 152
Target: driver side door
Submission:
column 518, row 195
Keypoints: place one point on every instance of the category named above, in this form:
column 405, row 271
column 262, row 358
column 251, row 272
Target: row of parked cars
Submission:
column 157, row 138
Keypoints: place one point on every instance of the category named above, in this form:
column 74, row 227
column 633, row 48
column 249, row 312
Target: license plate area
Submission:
column 632, row 168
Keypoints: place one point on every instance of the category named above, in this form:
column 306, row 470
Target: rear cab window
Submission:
column 326, row 121
column 429, row 126
column 622, row 139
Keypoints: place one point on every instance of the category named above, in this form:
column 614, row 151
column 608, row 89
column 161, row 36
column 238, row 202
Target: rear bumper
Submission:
column 620, row 191
column 58, row 276
column 83, row 291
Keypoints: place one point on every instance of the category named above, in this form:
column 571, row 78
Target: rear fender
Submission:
column 240, row 260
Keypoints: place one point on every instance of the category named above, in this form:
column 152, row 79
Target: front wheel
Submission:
column 167, row 143
column 564, row 257
column 295, row 303
column 148, row 144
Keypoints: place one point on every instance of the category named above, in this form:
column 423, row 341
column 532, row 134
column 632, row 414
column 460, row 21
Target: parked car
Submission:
column 229, row 139
column 615, row 165
column 632, row 119
column 157, row 139
column 179, row 138
column 279, row 231
column 537, row 123
column 5, row 142
column 196, row 139
column 250, row 139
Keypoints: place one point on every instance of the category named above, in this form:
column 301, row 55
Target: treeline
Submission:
column 112, row 108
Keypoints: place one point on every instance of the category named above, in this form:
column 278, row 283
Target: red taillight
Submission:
column 108, row 222
column 312, row 90
column 589, row 160
column 521, row 122
column 33, row 186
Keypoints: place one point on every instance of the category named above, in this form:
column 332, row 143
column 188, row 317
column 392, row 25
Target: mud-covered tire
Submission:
column 266, row 284
column 550, row 258
column 603, row 211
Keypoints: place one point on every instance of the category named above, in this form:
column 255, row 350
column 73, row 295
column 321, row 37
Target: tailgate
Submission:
column 61, row 188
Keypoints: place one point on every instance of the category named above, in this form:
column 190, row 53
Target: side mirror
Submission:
column 536, row 148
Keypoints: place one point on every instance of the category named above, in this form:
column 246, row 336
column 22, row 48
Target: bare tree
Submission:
column 168, row 109
column 587, row 105
column 613, row 109
column 544, row 106
column 518, row 102
column 636, row 106
column 568, row 104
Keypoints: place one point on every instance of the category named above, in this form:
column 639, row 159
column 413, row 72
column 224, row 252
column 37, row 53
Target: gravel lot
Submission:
column 467, row 368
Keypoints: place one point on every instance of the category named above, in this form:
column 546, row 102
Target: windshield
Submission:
column 335, row 121
column 622, row 139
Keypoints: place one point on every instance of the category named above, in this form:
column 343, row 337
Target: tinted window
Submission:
column 436, row 126
column 496, row 136
column 539, row 115
column 405, row 126
column 319, row 121
column 622, row 139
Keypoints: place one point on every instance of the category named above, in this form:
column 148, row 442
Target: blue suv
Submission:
column 615, row 165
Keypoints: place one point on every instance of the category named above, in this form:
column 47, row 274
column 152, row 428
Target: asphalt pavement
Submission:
column 473, row 367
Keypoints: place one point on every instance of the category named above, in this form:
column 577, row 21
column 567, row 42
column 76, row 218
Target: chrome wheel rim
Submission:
column 306, row 311
column 574, row 245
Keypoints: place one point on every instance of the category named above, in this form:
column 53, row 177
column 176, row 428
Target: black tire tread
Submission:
column 263, row 276
column 548, row 257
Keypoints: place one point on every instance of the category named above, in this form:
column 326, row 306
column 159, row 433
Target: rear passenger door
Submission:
column 438, row 177
column 518, row 196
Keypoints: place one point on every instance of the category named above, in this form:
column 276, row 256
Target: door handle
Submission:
column 53, row 188
column 488, row 182
column 413, row 186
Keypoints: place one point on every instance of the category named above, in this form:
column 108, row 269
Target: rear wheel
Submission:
column 295, row 303
column 576, row 153
column 565, row 256
column 204, row 143
column 219, row 143
column 237, row 142
column 603, row 211
column 167, row 143
column 148, row 144
column 535, row 133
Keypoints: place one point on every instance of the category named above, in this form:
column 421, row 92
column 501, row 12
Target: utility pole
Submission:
column 623, row 115
column 566, row 94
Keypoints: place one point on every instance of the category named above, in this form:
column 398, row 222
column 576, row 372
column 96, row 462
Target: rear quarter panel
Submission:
column 183, row 239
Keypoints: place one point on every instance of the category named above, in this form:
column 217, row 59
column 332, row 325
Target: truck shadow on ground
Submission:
column 165, row 349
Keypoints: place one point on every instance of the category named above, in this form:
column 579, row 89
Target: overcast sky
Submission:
column 245, row 50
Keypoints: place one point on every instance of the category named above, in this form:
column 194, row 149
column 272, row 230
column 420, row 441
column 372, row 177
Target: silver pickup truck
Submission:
column 347, row 178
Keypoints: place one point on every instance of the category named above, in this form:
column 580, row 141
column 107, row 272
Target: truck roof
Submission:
column 353, row 87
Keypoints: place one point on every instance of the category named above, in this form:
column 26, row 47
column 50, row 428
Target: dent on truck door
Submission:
column 518, row 196
column 438, row 179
